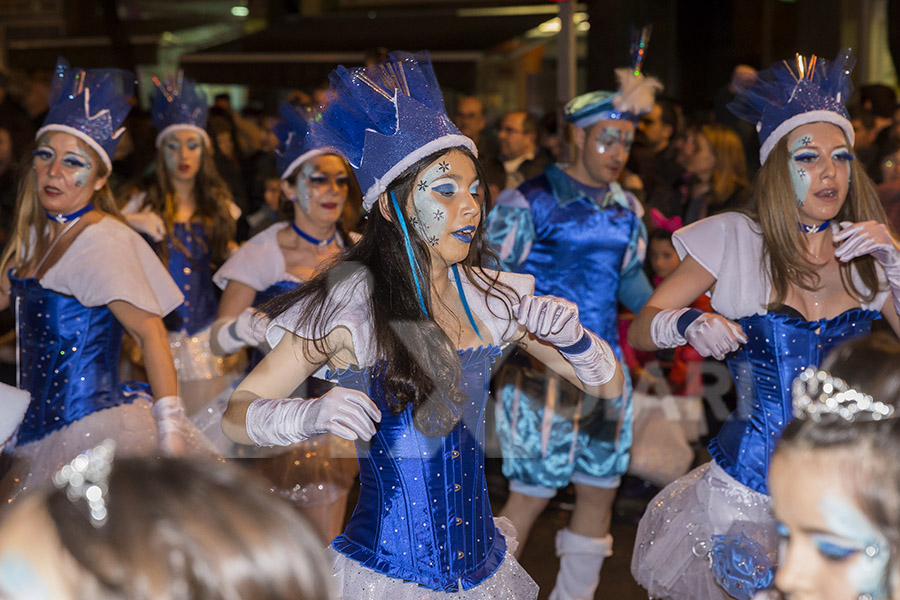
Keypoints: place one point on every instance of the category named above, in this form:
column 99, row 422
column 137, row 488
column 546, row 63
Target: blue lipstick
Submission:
column 465, row 234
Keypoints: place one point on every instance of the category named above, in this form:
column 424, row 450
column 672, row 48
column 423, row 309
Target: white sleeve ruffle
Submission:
column 110, row 261
column 258, row 263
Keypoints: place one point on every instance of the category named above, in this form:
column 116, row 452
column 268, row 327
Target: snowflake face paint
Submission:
column 819, row 166
column 857, row 538
column 64, row 172
column 608, row 137
column 447, row 205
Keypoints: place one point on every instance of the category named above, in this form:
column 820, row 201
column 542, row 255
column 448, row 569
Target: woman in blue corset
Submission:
column 812, row 265
column 76, row 276
column 409, row 325
column 186, row 209
column 315, row 475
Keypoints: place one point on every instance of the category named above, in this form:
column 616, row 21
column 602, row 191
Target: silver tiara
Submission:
column 817, row 393
column 86, row 477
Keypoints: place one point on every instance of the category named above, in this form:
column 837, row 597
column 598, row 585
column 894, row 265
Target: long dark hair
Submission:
column 416, row 362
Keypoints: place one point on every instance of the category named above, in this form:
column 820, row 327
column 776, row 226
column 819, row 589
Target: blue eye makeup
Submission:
column 783, row 531
column 445, row 189
column 805, row 157
column 43, row 154
column 475, row 188
column 75, row 163
column 833, row 550
column 843, row 156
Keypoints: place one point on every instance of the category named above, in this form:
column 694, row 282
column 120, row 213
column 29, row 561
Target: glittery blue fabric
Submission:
column 178, row 102
column 780, row 92
column 740, row 565
column 423, row 513
column 780, row 346
column 276, row 289
column 574, row 243
column 190, row 267
column 69, row 359
column 379, row 116
column 92, row 101
column 293, row 135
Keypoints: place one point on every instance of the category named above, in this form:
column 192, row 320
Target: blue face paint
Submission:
column 855, row 536
column 20, row 581
column 800, row 159
column 430, row 213
column 610, row 136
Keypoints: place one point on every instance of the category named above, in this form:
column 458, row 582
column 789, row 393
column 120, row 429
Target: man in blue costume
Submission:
column 580, row 235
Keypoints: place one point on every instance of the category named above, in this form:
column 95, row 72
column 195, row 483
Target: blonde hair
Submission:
column 785, row 246
column 29, row 240
column 730, row 172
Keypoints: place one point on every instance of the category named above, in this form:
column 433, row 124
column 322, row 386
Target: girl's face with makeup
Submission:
column 65, row 173
column 183, row 154
column 829, row 549
column 319, row 189
column 446, row 206
column 819, row 162
column 33, row 564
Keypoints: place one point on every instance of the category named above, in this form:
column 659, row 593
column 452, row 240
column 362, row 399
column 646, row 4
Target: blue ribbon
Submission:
column 61, row 218
column 462, row 297
column 413, row 265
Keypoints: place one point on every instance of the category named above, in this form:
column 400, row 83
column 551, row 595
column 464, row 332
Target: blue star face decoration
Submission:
column 444, row 166
column 433, row 240
column 806, row 140
column 438, row 214
column 422, row 186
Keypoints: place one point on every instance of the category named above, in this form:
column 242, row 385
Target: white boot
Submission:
column 580, row 560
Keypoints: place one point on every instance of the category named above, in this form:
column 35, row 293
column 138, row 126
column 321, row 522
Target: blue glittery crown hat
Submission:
column 386, row 117
column 296, row 145
column 786, row 96
column 91, row 105
column 177, row 104
column 635, row 96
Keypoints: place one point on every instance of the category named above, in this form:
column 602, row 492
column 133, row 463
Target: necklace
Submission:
column 61, row 218
column 311, row 239
column 814, row 228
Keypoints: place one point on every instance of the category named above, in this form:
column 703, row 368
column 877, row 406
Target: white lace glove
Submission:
column 710, row 334
column 871, row 237
column 170, row 418
column 555, row 321
column 247, row 329
column 148, row 223
column 284, row 421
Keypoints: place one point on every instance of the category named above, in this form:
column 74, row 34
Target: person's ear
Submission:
column 578, row 137
column 101, row 181
column 288, row 189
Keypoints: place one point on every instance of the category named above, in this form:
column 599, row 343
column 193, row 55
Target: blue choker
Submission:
column 61, row 218
column 814, row 228
column 310, row 238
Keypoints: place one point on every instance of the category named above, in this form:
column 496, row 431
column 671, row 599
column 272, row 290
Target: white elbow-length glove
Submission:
column 346, row 413
column 555, row 321
column 710, row 334
column 246, row 329
column 170, row 417
column 148, row 223
column 871, row 237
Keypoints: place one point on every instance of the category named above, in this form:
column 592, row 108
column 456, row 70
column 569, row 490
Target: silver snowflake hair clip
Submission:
column 85, row 479
column 817, row 393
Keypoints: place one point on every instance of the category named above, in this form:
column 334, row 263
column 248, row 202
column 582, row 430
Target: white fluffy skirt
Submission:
column 509, row 582
column 702, row 520
column 193, row 358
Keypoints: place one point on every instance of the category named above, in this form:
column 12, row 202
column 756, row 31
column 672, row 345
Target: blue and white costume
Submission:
column 69, row 346
column 720, row 512
column 307, row 473
column 423, row 524
column 587, row 245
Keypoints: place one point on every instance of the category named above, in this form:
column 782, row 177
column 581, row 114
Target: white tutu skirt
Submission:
column 706, row 537
column 509, row 582
column 194, row 361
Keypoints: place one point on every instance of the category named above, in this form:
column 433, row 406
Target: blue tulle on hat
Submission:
column 296, row 145
column 788, row 95
column 91, row 104
column 179, row 103
column 386, row 117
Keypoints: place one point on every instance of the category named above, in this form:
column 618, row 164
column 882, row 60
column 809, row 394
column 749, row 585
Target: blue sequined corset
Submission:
column 68, row 358
column 423, row 513
column 190, row 267
column 578, row 254
column 276, row 289
column 779, row 347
